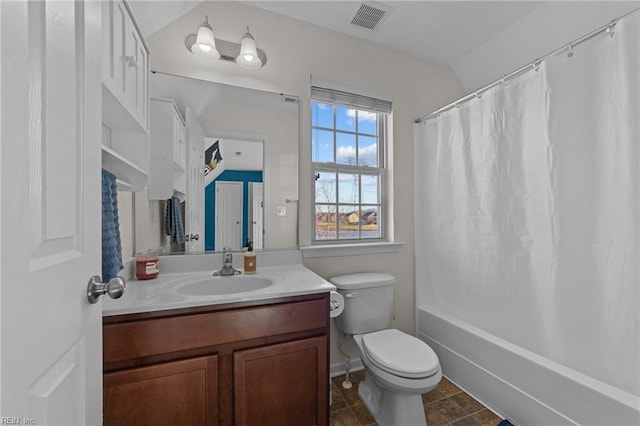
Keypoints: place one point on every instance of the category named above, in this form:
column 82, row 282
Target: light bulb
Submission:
column 248, row 57
column 205, row 44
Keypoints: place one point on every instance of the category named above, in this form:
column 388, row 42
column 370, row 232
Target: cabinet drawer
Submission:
column 123, row 341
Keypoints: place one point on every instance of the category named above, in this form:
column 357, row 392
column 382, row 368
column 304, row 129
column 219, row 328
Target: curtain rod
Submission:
column 609, row 28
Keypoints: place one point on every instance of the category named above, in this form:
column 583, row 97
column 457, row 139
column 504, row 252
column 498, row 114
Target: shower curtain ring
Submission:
column 611, row 28
column 570, row 48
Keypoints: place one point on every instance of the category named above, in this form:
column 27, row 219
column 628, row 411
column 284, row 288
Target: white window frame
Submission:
column 382, row 109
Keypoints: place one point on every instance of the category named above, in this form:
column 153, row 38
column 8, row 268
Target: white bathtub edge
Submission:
column 526, row 388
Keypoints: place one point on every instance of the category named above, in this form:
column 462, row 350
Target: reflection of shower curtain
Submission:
column 527, row 209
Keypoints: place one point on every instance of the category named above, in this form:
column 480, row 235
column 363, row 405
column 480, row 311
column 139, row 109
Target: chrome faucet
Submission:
column 227, row 264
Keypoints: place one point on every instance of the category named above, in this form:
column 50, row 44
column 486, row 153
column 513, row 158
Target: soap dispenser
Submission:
column 249, row 259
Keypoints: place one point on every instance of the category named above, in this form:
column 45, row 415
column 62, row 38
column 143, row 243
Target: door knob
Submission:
column 194, row 237
column 96, row 288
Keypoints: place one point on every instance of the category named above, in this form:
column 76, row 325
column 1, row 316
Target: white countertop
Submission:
column 159, row 293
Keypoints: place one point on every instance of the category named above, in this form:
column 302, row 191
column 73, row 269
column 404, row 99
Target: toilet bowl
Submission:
column 399, row 368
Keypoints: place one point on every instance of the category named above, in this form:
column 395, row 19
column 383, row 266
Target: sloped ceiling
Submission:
column 479, row 40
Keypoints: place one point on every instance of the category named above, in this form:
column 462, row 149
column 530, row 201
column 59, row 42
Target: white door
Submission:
column 50, row 121
column 228, row 227
column 257, row 203
column 194, row 204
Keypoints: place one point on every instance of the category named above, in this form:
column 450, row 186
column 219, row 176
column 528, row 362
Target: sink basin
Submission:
column 214, row 286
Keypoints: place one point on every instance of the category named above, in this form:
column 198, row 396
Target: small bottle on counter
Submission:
column 147, row 266
column 249, row 259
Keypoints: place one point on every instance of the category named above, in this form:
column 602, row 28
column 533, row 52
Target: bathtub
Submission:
column 524, row 387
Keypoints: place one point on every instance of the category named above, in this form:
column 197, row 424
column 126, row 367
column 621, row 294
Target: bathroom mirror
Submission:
column 250, row 167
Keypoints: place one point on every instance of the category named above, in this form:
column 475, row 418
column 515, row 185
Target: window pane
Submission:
column 346, row 145
column 369, row 222
column 370, row 189
column 346, row 148
column 367, row 151
column 326, row 222
column 368, row 122
column 322, row 146
column 348, row 222
column 348, row 188
column 326, row 187
column 345, row 118
column 321, row 115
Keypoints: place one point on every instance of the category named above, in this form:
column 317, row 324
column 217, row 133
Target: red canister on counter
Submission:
column 147, row 266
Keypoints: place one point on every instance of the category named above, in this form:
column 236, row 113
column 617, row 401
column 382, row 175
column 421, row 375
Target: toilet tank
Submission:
column 368, row 301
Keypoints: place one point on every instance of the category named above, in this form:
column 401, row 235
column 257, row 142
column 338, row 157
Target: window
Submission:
column 348, row 135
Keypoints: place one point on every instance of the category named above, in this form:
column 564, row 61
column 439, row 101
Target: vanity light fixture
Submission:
column 205, row 42
column 245, row 54
column 248, row 57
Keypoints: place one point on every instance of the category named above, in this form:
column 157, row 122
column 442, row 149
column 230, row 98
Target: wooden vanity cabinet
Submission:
column 235, row 364
column 280, row 384
column 178, row 392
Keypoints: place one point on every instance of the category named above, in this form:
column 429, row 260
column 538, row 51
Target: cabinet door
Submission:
column 135, row 74
column 194, row 205
column 161, row 165
column 179, row 145
column 114, row 18
column 282, row 384
column 175, row 393
column 125, row 63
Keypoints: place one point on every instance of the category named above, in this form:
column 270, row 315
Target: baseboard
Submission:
column 340, row 368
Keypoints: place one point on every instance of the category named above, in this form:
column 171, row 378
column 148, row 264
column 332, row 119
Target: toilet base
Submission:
column 391, row 408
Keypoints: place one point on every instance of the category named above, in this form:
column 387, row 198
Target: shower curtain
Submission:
column 527, row 209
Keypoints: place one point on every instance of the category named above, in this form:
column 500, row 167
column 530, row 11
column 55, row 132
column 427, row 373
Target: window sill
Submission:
column 335, row 250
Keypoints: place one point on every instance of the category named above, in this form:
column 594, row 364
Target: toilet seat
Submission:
column 400, row 354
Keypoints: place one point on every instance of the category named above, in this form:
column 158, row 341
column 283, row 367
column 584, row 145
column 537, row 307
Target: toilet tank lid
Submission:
column 362, row 280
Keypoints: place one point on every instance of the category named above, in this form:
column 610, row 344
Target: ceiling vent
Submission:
column 369, row 15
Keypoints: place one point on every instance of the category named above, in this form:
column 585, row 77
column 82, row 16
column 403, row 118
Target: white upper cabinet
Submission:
column 167, row 162
column 125, row 62
column 125, row 97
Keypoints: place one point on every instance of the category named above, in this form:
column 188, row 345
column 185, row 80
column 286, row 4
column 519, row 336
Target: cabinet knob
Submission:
column 96, row 288
column 131, row 61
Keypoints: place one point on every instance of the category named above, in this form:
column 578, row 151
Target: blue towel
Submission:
column 111, row 244
column 173, row 221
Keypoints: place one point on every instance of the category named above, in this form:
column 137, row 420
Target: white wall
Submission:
column 525, row 40
column 149, row 222
column 295, row 50
column 125, row 219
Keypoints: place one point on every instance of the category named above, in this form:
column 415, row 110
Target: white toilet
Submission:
column 399, row 368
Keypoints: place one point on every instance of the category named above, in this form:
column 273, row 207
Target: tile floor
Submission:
column 445, row 405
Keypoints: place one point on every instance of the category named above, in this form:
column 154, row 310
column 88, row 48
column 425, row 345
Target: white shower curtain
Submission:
column 527, row 209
